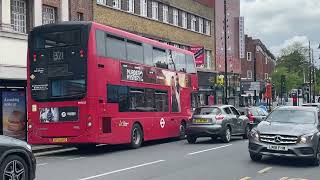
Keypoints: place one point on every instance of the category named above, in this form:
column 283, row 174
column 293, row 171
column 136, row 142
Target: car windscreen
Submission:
column 207, row 111
column 292, row 116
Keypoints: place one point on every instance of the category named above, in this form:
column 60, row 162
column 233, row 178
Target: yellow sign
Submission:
column 220, row 80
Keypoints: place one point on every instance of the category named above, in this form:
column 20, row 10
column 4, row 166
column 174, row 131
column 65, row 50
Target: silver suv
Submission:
column 217, row 121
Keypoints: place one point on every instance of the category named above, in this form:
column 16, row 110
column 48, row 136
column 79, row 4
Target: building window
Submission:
column 19, row 15
column 193, row 22
column 249, row 74
column 165, row 14
column 208, row 27
column 131, row 6
column 155, row 13
column 249, row 56
column 104, row 2
column 80, row 16
column 176, row 45
column 200, row 25
column 175, row 17
column 116, row 4
column 143, row 8
column 266, row 76
column 184, row 20
column 48, row 15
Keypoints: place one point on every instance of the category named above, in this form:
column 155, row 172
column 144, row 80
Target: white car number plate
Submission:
column 278, row 148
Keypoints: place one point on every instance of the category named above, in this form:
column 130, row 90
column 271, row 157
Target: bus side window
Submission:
column 161, row 101
column 180, row 61
column 134, row 51
column 100, row 43
column 190, row 64
column 160, row 58
column 116, row 47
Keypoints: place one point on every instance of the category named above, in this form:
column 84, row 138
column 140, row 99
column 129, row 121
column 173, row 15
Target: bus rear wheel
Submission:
column 136, row 136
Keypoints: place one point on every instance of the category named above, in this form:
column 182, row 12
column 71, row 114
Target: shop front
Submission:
column 13, row 112
column 209, row 92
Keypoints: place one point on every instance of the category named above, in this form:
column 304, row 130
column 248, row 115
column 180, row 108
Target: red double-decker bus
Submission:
column 93, row 84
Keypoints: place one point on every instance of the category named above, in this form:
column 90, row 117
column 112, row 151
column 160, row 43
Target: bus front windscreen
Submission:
column 58, row 64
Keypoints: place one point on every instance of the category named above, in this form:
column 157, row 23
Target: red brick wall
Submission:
column 81, row 6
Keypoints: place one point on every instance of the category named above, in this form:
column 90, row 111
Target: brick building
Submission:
column 257, row 55
column 17, row 18
column 181, row 23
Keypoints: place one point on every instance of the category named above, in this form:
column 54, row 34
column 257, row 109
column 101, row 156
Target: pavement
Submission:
column 171, row 160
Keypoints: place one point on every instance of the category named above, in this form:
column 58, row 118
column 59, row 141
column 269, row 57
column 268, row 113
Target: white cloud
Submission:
column 278, row 23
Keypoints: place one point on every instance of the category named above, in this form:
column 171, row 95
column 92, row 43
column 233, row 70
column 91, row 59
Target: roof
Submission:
column 298, row 108
column 216, row 106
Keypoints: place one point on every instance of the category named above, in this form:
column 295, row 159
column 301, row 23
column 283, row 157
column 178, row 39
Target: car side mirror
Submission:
column 242, row 113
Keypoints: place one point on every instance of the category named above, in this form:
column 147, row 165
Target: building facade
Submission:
column 17, row 18
column 257, row 65
column 181, row 23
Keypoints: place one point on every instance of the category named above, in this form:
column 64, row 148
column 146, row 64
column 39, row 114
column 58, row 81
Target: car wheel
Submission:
column 226, row 136
column 191, row 139
column 255, row 157
column 182, row 134
column 246, row 132
column 316, row 160
column 136, row 136
column 14, row 167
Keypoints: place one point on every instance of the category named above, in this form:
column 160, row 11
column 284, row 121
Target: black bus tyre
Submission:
column 14, row 167
column 136, row 136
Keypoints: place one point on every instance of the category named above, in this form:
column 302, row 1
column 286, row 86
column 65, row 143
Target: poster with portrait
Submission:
column 14, row 114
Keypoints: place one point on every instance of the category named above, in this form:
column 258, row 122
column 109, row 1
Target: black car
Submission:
column 221, row 121
column 287, row 132
column 16, row 160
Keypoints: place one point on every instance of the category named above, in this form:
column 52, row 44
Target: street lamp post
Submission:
column 225, row 55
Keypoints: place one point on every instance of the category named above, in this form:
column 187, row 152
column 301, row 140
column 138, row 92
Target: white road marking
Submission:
column 197, row 152
column 264, row 170
column 72, row 159
column 54, row 152
column 42, row 164
column 245, row 178
column 284, row 178
column 120, row 170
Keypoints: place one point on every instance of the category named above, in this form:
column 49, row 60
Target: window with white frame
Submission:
column 116, row 4
column 200, row 25
column 175, row 17
column 48, row 15
column 208, row 28
column 165, row 14
column 266, row 76
column 184, row 19
column 249, row 74
column 249, row 56
column 143, row 8
column 176, row 45
column 19, row 15
column 104, row 2
column 79, row 16
column 155, row 12
column 193, row 22
column 131, row 6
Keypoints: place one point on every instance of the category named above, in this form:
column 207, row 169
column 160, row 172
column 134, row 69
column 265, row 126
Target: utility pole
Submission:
column 225, row 55
column 310, row 85
column 313, row 78
column 255, row 74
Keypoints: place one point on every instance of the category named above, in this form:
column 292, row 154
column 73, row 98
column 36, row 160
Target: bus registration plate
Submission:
column 59, row 140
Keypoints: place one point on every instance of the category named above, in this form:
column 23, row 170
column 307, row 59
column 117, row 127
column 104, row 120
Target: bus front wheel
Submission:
column 136, row 136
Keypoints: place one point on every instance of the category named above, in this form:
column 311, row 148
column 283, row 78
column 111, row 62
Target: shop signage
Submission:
column 198, row 52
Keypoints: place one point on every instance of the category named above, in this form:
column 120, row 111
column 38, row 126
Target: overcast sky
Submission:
column 278, row 23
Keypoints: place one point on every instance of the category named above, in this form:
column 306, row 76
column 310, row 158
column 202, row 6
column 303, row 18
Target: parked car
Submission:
column 287, row 132
column 317, row 105
column 254, row 114
column 217, row 121
column 16, row 160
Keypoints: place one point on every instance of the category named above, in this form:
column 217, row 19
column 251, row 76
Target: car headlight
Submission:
column 305, row 139
column 255, row 135
column 29, row 147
